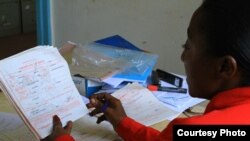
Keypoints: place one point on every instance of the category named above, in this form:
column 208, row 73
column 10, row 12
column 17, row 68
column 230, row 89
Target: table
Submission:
column 5, row 106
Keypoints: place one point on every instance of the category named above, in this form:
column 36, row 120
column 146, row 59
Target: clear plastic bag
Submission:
column 138, row 62
column 93, row 64
column 98, row 61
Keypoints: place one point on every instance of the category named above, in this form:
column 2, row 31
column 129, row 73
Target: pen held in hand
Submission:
column 104, row 106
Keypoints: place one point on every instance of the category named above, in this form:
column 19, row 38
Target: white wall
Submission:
column 158, row 26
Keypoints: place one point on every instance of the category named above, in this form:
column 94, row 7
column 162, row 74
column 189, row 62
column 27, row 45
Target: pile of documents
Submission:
column 110, row 61
column 178, row 102
column 38, row 84
column 109, row 64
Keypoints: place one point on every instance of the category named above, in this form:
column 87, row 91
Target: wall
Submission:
column 17, row 17
column 158, row 26
column 10, row 20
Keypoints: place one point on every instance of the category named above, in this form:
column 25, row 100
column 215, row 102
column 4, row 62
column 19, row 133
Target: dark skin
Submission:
column 114, row 114
column 206, row 75
column 58, row 130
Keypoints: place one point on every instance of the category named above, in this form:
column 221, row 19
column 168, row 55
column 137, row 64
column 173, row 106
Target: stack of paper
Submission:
column 140, row 104
column 178, row 102
column 84, row 129
column 39, row 85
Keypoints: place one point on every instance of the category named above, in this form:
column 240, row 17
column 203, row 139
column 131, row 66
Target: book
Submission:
column 39, row 85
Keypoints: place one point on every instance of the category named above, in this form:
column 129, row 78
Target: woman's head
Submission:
column 217, row 52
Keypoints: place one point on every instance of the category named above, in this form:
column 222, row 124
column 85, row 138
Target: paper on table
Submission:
column 39, row 85
column 140, row 104
column 114, row 82
column 86, row 129
column 176, row 101
column 12, row 128
column 173, row 99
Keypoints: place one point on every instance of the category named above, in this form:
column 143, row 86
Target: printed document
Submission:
column 39, row 85
column 140, row 104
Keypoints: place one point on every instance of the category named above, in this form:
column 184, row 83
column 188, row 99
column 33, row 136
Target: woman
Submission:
column 217, row 63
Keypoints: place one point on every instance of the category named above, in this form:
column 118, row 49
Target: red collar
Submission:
column 229, row 98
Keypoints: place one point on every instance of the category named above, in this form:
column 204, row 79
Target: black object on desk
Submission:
column 169, row 78
column 167, row 89
column 154, row 78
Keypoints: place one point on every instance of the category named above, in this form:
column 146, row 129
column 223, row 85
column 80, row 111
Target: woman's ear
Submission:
column 227, row 67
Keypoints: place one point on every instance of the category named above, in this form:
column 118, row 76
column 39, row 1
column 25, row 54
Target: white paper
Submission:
column 86, row 129
column 178, row 102
column 140, row 104
column 39, row 84
column 114, row 82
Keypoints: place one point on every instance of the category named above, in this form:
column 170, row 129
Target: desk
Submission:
column 5, row 106
column 197, row 109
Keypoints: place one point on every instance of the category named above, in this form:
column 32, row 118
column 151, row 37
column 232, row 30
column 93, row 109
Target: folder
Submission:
column 118, row 41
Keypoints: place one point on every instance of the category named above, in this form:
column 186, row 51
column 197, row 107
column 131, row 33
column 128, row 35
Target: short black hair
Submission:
column 226, row 28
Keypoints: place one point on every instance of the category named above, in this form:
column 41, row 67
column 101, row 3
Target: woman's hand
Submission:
column 58, row 130
column 109, row 105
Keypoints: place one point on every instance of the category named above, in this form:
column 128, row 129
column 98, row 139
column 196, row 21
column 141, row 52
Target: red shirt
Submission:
column 229, row 107
column 65, row 137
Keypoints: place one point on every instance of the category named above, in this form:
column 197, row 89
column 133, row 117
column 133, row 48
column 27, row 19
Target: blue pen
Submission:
column 104, row 106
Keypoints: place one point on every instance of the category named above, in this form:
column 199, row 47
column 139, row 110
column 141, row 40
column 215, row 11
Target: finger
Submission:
column 105, row 96
column 99, row 97
column 56, row 122
column 95, row 112
column 95, row 102
column 101, row 119
column 100, row 102
column 69, row 126
column 90, row 105
column 45, row 139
